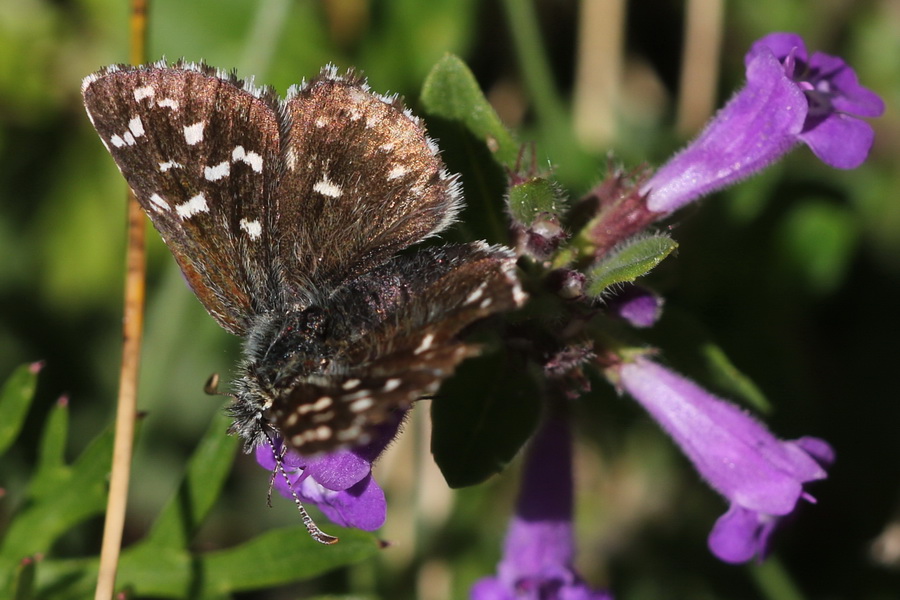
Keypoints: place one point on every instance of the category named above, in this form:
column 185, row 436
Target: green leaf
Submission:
column 273, row 558
column 15, row 398
column 726, row 375
column 61, row 498
column 632, row 260
column 533, row 197
column 482, row 416
column 23, row 579
column 51, row 453
column 450, row 91
column 284, row 555
column 206, row 474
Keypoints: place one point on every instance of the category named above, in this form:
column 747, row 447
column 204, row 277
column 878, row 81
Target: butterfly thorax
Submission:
column 281, row 352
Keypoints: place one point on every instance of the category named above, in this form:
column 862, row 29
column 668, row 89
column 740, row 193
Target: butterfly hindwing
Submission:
column 388, row 364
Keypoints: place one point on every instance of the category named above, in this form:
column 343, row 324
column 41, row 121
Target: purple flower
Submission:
column 539, row 546
column 789, row 98
column 761, row 476
column 636, row 305
column 340, row 484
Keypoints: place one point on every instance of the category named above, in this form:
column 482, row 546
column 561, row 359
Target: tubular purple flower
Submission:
column 761, row 476
column 788, row 99
column 340, row 484
column 636, row 305
column 540, row 546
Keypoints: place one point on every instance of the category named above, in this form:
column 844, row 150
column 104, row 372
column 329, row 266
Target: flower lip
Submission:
column 828, row 80
column 762, row 477
column 340, row 483
column 835, row 98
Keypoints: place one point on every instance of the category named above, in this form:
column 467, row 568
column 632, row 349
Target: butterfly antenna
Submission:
column 313, row 529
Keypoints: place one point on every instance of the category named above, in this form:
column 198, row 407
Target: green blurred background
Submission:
column 794, row 274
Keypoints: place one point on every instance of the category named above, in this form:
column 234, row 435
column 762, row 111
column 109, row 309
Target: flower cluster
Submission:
column 790, row 99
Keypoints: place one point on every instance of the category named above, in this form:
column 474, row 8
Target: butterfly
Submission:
column 287, row 218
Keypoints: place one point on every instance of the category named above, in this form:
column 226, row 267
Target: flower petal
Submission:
column 781, row 44
column 338, row 470
column 740, row 534
column 840, row 141
column 842, row 83
column 362, row 506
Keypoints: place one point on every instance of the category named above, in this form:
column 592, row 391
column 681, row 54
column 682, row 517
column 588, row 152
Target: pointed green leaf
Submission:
column 15, row 398
column 482, row 416
column 61, row 500
column 273, row 558
column 282, row 556
column 206, row 474
column 51, row 454
column 726, row 375
column 23, row 581
column 632, row 260
column 450, row 91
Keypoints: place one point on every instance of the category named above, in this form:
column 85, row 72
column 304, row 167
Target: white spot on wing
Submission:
column 193, row 134
column 194, row 206
column 168, row 103
column 396, row 172
column 169, row 164
column 362, row 404
column 519, row 297
column 143, row 92
column 158, row 203
column 476, row 295
column 136, row 126
column 117, row 141
column 290, row 158
column 391, row 384
column 253, row 228
column 350, row 384
column 250, row 158
column 217, row 172
column 328, row 188
column 425, row 345
column 129, row 138
column 322, row 403
column 349, row 434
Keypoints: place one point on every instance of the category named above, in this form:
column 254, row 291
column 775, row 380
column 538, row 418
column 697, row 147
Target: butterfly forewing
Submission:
column 362, row 181
column 201, row 153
